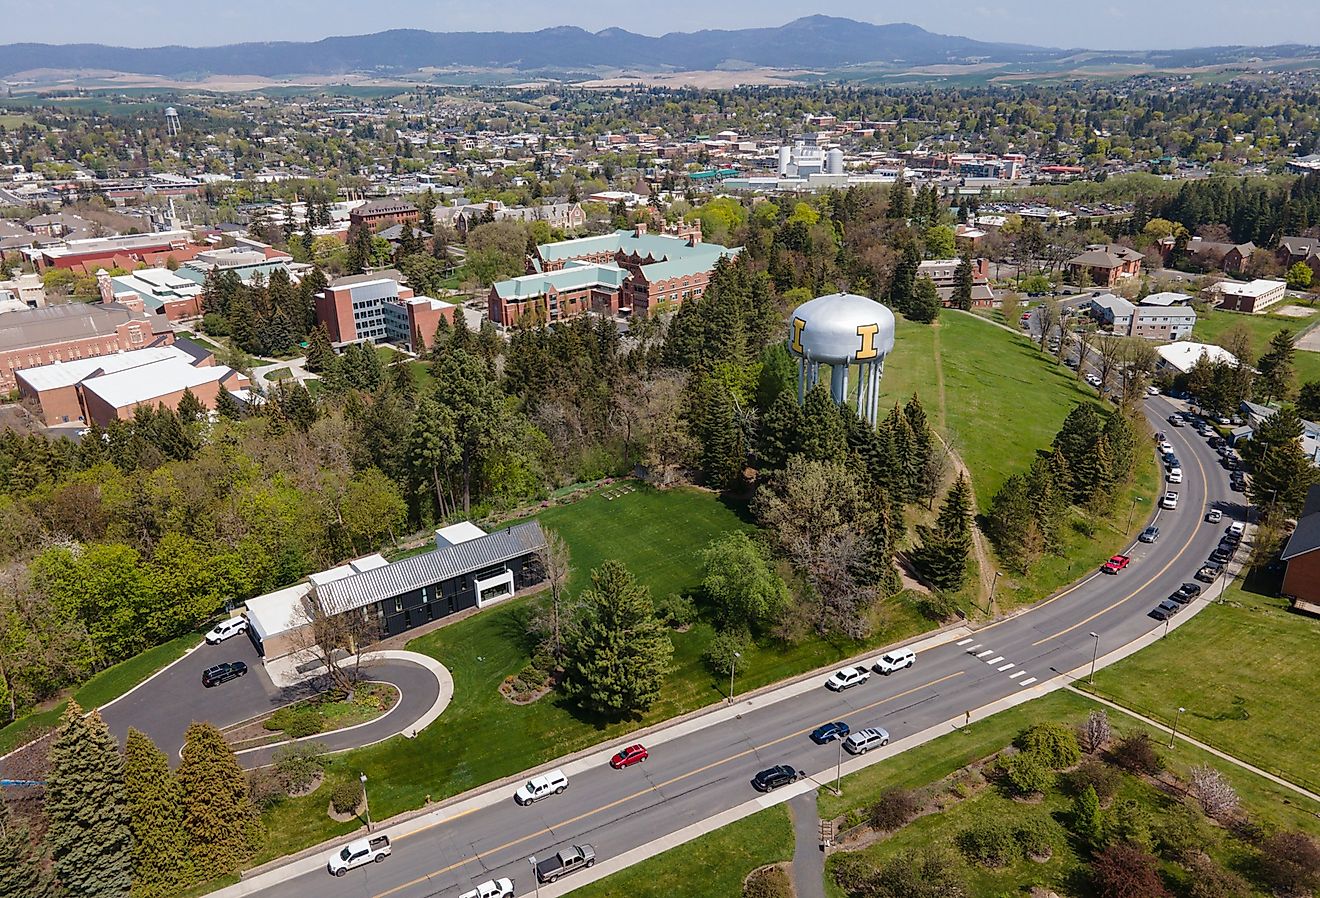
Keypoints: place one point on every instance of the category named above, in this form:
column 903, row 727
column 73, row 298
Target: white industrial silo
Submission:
column 785, row 159
column 834, row 162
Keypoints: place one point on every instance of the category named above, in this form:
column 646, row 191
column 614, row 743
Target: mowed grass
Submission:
column 1211, row 325
column 710, row 866
column 1245, row 672
column 107, row 685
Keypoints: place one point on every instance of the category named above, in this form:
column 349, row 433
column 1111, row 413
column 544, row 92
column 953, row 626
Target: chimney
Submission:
column 641, row 229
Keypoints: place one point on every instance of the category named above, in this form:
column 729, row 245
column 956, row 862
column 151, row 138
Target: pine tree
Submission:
column 1010, row 521
column 21, row 871
column 823, row 437
column 219, row 819
column 716, row 429
column 1088, row 820
column 320, row 351
column 963, row 282
column 226, row 406
column 617, row 653
column 900, row 200
column 925, row 306
column 941, row 555
column 160, row 852
column 190, row 408
column 90, row 838
column 903, row 283
column 1277, row 374
column 781, row 432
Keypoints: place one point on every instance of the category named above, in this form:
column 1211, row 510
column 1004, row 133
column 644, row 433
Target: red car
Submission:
column 633, row 754
column 1115, row 564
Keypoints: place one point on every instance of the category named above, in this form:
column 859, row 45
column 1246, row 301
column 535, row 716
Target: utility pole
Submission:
column 366, row 805
column 733, row 664
column 838, row 769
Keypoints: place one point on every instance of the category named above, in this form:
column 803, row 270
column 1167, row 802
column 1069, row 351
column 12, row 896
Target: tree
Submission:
column 22, row 872
column 330, row 637
column 741, row 586
column 1281, row 470
column 1096, row 732
column 941, row 554
column 1088, row 821
column 617, row 653
column 1213, row 792
column 963, row 283
column 190, row 408
column 466, row 390
column 1299, row 276
column 219, row 819
column 1308, row 400
column 939, row 242
column 1122, row 870
column 161, row 864
column 925, row 305
column 556, row 563
column 1054, row 742
column 1290, row 863
column 1276, row 366
column 90, row 837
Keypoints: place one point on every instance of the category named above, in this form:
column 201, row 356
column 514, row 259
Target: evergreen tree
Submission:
column 903, row 284
column 359, row 248
column 279, row 333
column 190, row 408
column 1011, row 522
column 22, row 874
column 823, row 437
column 900, row 200
column 320, row 351
column 226, row 406
column 1088, row 821
column 925, row 306
column 941, row 555
column 714, row 425
column 1277, row 374
column 617, row 653
column 781, row 432
column 963, row 282
column 1049, row 503
column 219, row 820
column 160, row 851
column 90, row 838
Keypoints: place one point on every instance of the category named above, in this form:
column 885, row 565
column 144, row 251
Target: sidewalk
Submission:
column 808, row 856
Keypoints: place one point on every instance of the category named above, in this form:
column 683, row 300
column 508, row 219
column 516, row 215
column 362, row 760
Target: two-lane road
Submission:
column 708, row 770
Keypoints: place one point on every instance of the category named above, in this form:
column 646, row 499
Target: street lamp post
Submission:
column 536, row 880
column 1173, row 733
column 993, row 584
column 838, row 769
column 733, row 664
column 366, row 805
column 1095, row 650
column 1132, row 511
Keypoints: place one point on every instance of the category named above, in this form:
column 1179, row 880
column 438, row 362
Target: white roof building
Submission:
column 1166, row 299
column 143, row 384
column 66, row 374
column 1182, row 356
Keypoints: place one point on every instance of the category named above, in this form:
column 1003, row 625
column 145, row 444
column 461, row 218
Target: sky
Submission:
column 1096, row 24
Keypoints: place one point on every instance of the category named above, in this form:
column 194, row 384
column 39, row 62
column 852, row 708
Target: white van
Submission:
column 896, row 659
column 225, row 629
column 542, row 786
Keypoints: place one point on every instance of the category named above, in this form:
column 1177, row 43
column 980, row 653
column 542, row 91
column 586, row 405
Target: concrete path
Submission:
column 808, row 857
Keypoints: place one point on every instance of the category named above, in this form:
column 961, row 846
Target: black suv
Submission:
column 221, row 673
column 776, row 777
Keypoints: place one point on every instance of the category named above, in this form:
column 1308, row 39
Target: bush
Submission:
column 1182, row 832
column 768, row 882
column 1290, row 863
column 265, row 788
column 853, row 873
column 297, row 722
column 1088, row 823
column 719, row 655
column 894, row 809
column 1137, row 754
column 1125, row 871
column 1096, row 774
column 346, row 796
column 1037, row 835
column 298, row 765
column 928, row 872
column 1024, row 773
column 991, row 842
column 676, row 610
column 1129, row 821
column 1206, row 879
column 1053, row 742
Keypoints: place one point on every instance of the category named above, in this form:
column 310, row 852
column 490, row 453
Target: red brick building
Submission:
column 1301, row 578
column 1107, row 264
column 378, row 309
column 70, row 332
column 377, row 215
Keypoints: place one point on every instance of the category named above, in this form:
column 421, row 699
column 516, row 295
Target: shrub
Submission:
column 1037, row 834
column 1054, row 743
column 346, row 796
column 265, row 788
column 719, row 655
column 991, row 842
column 1087, row 820
column 1207, row 879
column 1182, row 832
column 853, row 873
column 1290, row 863
column 768, row 882
column 1129, row 821
column 676, row 610
column 297, row 765
column 1137, row 754
column 297, row 722
column 894, row 809
column 1094, row 732
column 1125, row 871
column 1096, row 774
column 1213, row 793
column 928, row 872
column 1024, row 773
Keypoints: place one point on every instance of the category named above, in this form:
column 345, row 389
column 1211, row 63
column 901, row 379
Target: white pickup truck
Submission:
column 491, row 888
column 355, row 854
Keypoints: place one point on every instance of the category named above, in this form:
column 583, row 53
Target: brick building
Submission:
column 1107, row 264
column 125, row 251
column 378, row 309
column 377, row 215
column 944, row 274
column 1301, row 578
column 1254, row 298
column 70, row 332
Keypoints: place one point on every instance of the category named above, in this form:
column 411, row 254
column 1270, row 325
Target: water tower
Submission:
column 842, row 330
column 172, row 121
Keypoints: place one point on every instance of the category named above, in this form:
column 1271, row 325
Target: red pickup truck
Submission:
column 1115, row 564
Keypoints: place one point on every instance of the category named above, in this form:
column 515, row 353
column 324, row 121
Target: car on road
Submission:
column 862, row 741
column 897, row 659
column 565, row 861
column 1165, row 610
column 359, row 852
column 1166, row 448
column 774, row 777
column 1175, row 475
column 1150, row 534
column 633, row 754
column 848, row 677
column 1209, row 572
column 1238, row 483
column 1115, row 564
column 1176, row 420
column 1189, row 590
column 1171, row 460
column 1170, row 500
column 1222, row 554
column 543, row 786
column 1152, row 391
column 829, row 732
column 225, row 629
column 1214, row 516
column 1237, row 528
column 1159, row 438
column 491, row 888
column 223, row 673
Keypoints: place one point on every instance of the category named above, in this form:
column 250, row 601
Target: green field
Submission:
column 711, row 866
column 109, row 684
column 1260, row 706
column 1211, row 326
column 421, row 372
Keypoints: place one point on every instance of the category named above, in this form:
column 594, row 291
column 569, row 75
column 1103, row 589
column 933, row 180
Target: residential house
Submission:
column 1106, row 264
column 1300, row 249
column 1112, row 311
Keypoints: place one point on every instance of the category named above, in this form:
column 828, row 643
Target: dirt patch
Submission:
column 1291, row 311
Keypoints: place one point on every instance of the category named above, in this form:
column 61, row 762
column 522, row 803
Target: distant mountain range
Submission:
column 815, row 42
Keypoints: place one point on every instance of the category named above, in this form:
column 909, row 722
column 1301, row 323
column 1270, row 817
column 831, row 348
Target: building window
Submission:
column 398, row 603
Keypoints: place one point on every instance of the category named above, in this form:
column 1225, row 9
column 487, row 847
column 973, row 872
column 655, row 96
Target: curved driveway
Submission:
column 705, row 772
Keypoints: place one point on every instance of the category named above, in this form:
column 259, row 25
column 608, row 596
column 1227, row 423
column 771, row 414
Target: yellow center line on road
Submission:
column 1177, row 557
column 550, row 829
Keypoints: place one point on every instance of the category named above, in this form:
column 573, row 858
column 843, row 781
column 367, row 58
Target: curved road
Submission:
column 707, row 770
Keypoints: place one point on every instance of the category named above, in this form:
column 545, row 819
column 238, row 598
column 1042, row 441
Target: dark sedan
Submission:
column 1189, row 590
column 1165, row 610
column 828, row 732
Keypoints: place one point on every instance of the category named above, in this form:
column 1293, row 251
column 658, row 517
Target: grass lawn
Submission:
column 107, row 685
column 421, row 372
column 1261, row 706
column 279, row 374
column 723, row 858
column 201, row 341
column 1213, row 324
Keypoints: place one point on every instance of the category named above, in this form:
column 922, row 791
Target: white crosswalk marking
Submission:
column 1027, row 682
column 995, row 660
column 986, row 652
column 965, row 641
column 1005, row 667
column 1015, row 674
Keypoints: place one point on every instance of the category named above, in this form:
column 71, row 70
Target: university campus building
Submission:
column 378, row 309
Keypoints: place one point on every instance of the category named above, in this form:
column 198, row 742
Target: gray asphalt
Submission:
column 709, row 771
column 808, row 855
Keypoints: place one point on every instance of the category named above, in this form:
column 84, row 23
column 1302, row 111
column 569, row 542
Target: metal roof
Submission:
column 395, row 579
column 1306, row 538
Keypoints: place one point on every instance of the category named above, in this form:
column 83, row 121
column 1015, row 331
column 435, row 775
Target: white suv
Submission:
column 862, row 741
column 898, row 659
column 491, row 888
column 225, row 629
column 542, row 786
column 1175, row 475
column 1170, row 500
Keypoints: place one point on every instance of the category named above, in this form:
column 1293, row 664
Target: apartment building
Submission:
column 1254, row 298
column 378, row 309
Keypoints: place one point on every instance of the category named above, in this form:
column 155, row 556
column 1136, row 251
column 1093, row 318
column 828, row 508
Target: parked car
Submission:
column 359, row 852
column 1115, row 564
column 633, row 754
column 1150, row 534
column 1159, row 438
column 828, row 732
column 1237, row 528
column 223, row 630
column 223, row 673
column 1170, row 501
column 897, row 659
column 848, row 677
column 1209, row 572
column 1221, row 555
column 1165, row 448
column 1214, row 516
column 543, row 786
column 1190, row 590
column 491, row 888
column 862, row 741
column 1175, row 475
column 1152, row 391
column 565, row 861
column 774, row 777
column 1165, row 610
column 1176, row 420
